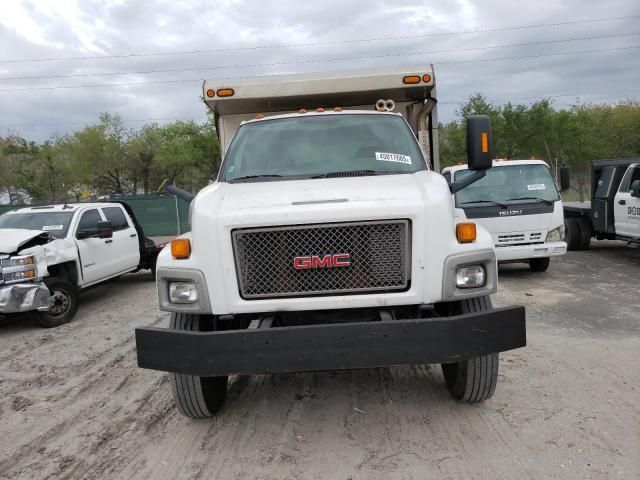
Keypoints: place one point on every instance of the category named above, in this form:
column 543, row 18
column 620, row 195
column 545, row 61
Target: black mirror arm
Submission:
column 466, row 181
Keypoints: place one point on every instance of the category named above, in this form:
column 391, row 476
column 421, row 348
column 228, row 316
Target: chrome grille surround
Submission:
column 380, row 253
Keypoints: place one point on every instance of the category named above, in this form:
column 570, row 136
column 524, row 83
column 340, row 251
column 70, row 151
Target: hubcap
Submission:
column 59, row 302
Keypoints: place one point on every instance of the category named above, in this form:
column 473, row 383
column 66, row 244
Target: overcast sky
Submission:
column 227, row 32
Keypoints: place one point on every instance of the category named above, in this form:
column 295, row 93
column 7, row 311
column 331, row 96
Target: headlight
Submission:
column 556, row 235
column 18, row 269
column 18, row 261
column 471, row 276
column 183, row 292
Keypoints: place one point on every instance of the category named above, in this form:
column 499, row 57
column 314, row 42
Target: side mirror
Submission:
column 635, row 188
column 105, row 229
column 565, row 178
column 479, row 154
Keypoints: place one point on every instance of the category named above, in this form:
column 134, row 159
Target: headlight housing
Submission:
column 18, row 269
column 471, row 276
column 556, row 235
column 183, row 292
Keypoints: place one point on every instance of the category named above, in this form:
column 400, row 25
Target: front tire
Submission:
column 473, row 380
column 539, row 264
column 63, row 304
column 196, row 397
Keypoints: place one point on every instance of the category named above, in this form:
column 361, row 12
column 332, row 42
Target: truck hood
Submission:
column 515, row 227
column 241, row 201
column 12, row 240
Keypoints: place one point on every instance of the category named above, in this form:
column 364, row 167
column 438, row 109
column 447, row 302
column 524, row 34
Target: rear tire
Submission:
column 585, row 233
column 63, row 306
column 573, row 234
column 473, row 380
column 539, row 264
column 196, row 397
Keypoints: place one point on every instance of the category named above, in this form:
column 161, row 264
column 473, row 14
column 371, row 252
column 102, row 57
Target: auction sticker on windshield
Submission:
column 537, row 186
column 393, row 157
column 47, row 228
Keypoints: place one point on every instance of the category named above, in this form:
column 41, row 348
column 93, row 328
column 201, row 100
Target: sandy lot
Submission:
column 73, row 404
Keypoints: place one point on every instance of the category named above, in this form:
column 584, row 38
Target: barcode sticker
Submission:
column 393, row 157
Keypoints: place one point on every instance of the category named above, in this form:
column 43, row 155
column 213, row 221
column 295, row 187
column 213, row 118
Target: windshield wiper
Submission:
column 251, row 177
column 492, row 202
column 538, row 199
column 351, row 173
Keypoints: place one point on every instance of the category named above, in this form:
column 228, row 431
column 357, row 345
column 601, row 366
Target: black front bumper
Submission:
column 331, row 346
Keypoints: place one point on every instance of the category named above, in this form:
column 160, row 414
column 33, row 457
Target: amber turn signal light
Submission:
column 411, row 79
column 181, row 248
column 211, row 93
column 466, row 232
column 225, row 92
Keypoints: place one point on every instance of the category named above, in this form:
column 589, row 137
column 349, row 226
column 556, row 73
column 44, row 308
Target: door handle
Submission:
column 108, row 241
column 622, row 202
column 133, row 235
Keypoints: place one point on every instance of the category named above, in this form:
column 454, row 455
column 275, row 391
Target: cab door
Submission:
column 125, row 239
column 95, row 253
column 626, row 208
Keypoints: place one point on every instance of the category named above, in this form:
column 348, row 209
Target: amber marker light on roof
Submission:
column 320, row 109
column 466, row 232
column 225, row 92
column 181, row 248
column 211, row 93
column 411, row 79
column 426, row 78
column 259, row 116
column 337, row 109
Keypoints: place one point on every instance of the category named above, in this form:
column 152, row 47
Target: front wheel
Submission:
column 63, row 304
column 539, row 264
column 196, row 397
column 473, row 380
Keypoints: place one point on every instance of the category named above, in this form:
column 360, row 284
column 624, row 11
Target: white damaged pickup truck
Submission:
column 49, row 253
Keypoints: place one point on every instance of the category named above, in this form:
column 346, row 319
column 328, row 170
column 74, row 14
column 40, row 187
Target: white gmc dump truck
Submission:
column 329, row 241
column 519, row 204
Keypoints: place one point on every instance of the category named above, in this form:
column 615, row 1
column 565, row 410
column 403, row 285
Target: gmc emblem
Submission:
column 325, row 261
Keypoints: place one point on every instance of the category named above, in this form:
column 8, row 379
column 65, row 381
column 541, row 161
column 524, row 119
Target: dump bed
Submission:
column 412, row 90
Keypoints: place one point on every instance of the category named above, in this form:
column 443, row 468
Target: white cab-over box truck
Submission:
column 329, row 241
column 519, row 204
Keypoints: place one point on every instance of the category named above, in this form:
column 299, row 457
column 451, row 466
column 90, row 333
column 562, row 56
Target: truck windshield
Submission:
column 318, row 146
column 55, row 223
column 509, row 184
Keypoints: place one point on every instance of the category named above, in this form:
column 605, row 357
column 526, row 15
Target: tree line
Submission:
column 107, row 158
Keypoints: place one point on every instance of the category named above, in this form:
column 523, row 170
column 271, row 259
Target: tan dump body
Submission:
column 353, row 90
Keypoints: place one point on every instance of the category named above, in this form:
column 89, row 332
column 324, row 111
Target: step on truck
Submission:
column 519, row 204
column 328, row 241
column 614, row 210
column 50, row 253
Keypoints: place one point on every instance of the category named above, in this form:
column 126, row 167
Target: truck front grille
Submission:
column 378, row 256
column 521, row 238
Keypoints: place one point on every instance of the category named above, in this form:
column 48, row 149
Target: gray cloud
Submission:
column 39, row 29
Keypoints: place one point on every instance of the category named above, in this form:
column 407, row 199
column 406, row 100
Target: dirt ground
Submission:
column 73, row 404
